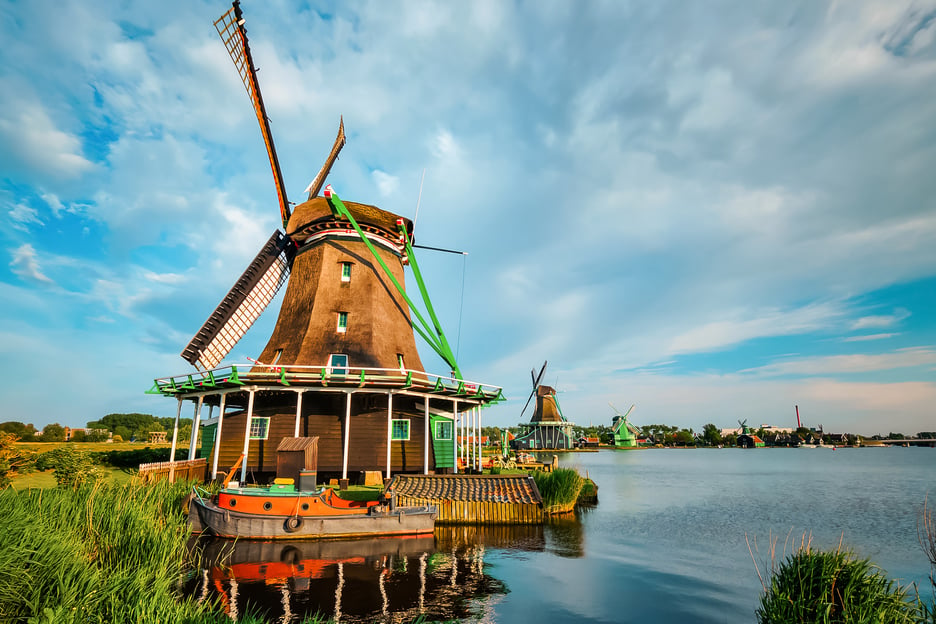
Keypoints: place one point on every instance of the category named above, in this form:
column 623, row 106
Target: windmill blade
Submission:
column 528, row 402
column 316, row 185
column 243, row 304
column 230, row 27
column 539, row 378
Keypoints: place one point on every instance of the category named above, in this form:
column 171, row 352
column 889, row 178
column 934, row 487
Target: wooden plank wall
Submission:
column 480, row 512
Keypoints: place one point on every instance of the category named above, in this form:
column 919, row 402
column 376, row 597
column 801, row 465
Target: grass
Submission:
column 831, row 587
column 46, row 478
column 42, row 447
column 560, row 488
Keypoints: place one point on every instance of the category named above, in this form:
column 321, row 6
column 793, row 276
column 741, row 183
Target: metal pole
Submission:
column 196, row 420
column 389, row 428
column 217, row 442
column 250, row 402
column 427, row 440
column 298, row 412
column 175, row 436
column 347, row 438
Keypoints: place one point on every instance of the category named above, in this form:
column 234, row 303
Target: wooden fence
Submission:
column 188, row 470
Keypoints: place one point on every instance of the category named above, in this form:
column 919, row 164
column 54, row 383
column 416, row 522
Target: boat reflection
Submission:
column 440, row 577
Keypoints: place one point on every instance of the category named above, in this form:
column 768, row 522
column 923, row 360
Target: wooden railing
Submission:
column 187, row 470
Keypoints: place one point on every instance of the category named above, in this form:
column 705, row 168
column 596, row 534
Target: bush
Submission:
column 560, row 488
column 72, row 467
column 832, row 587
column 131, row 460
column 13, row 460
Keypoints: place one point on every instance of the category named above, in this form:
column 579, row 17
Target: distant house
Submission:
column 586, row 442
column 749, row 440
column 70, row 432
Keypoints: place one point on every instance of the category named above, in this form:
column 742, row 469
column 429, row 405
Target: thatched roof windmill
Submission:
column 346, row 327
column 548, row 428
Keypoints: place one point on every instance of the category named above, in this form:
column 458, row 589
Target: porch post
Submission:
column 389, row 428
column 347, row 438
column 196, row 421
column 298, row 412
column 478, row 437
column 455, row 428
column 175, row 436
column 217, row 442
column 250, row 402
column 427, row 440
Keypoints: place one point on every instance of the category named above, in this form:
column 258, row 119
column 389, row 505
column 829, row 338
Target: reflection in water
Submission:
column 392, row 579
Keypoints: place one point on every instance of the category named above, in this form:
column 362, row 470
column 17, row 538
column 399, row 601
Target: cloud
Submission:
column 880, row 321
column 26, row 264
column 868, row 337
column 386, row 183
column 846, row 364
column 22, row 216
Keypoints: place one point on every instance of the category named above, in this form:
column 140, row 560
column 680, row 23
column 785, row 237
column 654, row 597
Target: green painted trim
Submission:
column 155, row 389
column 282, row 378
column 363, row 379
column 234, row 378
column 460, row 391
column 189, row 384
column 211, row 383
column 409, row 379
column 324, row 377
column 439, row 386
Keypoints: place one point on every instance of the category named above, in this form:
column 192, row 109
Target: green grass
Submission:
column 560, row 488
column 46, row 478
column 42, row 447
column 830, row 587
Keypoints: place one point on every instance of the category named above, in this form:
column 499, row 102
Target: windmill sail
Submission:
column 230, row 27
column 243, row 304
column 316, row 185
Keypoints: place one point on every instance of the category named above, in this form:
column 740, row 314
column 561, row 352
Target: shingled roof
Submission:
column 473, row 488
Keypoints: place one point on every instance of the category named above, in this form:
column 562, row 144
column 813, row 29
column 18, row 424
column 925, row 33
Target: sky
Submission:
column 714, row 211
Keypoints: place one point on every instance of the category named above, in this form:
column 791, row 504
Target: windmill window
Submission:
column 400, row 362
column 400, row 429
column 337, row 363
column 342, row 322
column 259, row 427
column 443, row 430
column 345, row 271
column 276, row 356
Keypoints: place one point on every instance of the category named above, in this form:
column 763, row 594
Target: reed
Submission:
column 560, row 488
column 99, row 552
column 830, row 587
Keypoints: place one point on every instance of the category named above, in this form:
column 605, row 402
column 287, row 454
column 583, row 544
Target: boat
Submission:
column 281, row 511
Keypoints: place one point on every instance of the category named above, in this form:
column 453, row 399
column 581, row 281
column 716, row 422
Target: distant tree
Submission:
column 895, row 436
column 683, row 437
column 123, row 432
column 730, row 440
column 20, row 430
column 711, row 435
column 13, row 459
column 78, row 436
column 927, row 435
column 117, row 438
column 132, row 421
column 53, row 432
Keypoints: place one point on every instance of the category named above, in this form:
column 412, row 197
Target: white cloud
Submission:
column 843, row 364
column 22, row 216
column 164, row 278
column 26, row 264
column 868, row 337
column 386, row 184
column 881, row 321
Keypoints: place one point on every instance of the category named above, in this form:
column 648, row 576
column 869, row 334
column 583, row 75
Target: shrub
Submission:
column 559, row 488
column 13, row 460
column 71, row 467
column 832, row 587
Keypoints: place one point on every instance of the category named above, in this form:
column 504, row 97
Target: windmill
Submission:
column 548, row 428
column 346, row 322
column 747, row 438
column 623, row 433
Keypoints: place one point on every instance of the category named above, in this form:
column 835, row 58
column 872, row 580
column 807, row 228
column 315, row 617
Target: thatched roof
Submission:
column 317, row 211
column 546, row 409
column 477, row 488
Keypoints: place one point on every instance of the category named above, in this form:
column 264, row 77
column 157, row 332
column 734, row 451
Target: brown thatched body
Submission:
column 546, row 408
column 378, row 329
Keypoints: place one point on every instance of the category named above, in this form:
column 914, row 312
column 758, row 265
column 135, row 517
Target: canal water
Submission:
column 667, row 542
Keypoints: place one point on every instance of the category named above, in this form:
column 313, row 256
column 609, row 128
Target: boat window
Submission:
column 342, row 322
column 345, row 271
column 259, row 427
column 400, row 429
column 443, row 430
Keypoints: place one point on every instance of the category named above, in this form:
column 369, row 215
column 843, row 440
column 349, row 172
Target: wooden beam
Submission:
column 298, row 412
column 389, row 428
column 426, row 439
column 250, row 403
column 217, row 442
column 347, row 439
column 175, row 436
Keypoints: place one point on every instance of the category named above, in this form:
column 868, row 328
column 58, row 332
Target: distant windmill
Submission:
column 623, row 433
column 548, row 428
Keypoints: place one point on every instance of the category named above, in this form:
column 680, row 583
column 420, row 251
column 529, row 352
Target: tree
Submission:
column 13, row 459
column 78, row 436
column 123, row 432
column 683, row 437
column 20, row 430
column 711, row 435
column 53, row 432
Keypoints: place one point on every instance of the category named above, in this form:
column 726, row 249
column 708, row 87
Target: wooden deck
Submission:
column 473, row 499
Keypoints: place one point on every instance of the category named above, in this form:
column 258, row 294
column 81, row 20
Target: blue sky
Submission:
column 715, row 211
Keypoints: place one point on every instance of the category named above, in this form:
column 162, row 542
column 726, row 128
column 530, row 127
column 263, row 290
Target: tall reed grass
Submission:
column 831, row 587
column 560, row 488
column 96, row 553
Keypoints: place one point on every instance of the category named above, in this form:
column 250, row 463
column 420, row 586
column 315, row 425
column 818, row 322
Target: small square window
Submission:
column 443, row 430
column 342, row 322
column 337, row 363
column 345, row 271
column 400, row 429
column 259, row 427
column 400, row 362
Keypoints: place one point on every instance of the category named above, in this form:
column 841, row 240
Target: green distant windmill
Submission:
column 622, row 432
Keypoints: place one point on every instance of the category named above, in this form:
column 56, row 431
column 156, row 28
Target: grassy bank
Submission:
column 102, row 552
column 560, row 488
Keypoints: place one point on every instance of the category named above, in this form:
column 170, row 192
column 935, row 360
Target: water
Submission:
column 666, row 543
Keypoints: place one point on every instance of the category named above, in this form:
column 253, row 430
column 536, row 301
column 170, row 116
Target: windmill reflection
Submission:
column 440, row 577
